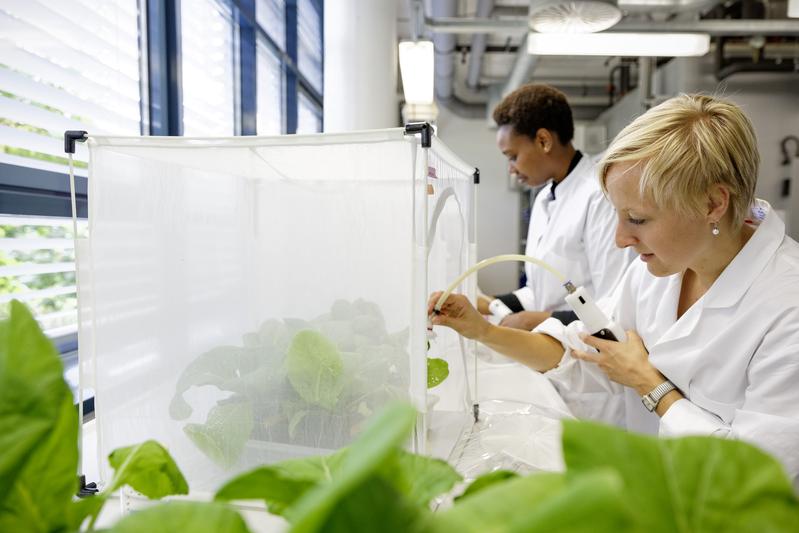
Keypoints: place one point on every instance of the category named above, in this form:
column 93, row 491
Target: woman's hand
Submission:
column 459, row 314
column 626, row 362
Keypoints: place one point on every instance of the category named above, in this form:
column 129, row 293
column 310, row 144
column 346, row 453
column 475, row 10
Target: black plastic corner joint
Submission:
column 476, row 176
column 424, row 128
column 70, row 136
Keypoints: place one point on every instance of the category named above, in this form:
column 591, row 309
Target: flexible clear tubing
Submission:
column 490, row 261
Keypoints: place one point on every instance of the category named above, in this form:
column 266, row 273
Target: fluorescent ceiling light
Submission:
column 793, row 8
column 618, row 44
column 416, row 68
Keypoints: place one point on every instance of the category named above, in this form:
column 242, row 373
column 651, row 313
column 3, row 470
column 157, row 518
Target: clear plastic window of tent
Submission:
column 208, row 65
column 270, row 90
column 271, row 16
column 309, row 39
column 309, row 114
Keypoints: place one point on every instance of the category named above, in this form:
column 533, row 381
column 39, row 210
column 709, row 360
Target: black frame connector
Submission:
column 476, row 176
column 424, row 128
column 70, row 136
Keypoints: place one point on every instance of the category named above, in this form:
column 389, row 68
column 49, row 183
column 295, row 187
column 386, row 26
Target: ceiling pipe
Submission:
column 727, row 27
column 484, row 9
column 522, row 67
column 444, row 45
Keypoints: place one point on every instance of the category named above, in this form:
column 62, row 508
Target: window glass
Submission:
column 66, row 66
column 207, row 68
column 271, row 16
column 270, row 91
column 309, row 50
column 309, row 115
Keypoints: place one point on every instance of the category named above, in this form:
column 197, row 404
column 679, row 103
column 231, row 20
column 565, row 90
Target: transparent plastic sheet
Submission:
column 510, row 435
column 224, row 273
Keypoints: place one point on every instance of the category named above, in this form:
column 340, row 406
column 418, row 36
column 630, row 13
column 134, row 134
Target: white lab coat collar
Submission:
column 735, row 280
column 739, row 275
column 581, row 171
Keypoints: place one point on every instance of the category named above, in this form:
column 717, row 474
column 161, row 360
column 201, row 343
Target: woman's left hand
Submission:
column 625, row 362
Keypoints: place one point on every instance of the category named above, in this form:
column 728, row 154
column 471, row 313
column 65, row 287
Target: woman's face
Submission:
column 526, row 156
column 667, row 242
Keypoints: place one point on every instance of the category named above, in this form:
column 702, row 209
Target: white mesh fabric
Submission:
column 253, row 299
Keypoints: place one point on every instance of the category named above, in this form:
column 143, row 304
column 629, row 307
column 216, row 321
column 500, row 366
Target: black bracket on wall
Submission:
column 70, row 136
column 421, row 127
column 476, row 176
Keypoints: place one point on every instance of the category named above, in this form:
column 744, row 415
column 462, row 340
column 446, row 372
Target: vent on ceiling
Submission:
column 572, row 16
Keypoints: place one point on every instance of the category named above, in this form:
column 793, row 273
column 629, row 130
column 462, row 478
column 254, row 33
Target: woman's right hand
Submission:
column 459, row 314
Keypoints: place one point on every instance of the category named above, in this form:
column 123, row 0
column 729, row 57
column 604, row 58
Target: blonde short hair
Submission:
column 687, row 144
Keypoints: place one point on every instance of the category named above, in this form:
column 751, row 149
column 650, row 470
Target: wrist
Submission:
column 485, row 332
column 649, row 381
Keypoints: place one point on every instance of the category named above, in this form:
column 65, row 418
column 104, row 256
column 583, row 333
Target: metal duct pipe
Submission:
column 484, row 9
column 725, row 27
column 444, row 45
column 522, row 66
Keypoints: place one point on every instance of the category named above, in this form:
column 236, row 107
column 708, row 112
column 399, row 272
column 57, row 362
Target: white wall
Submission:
column 497, row 204
column 771, row 101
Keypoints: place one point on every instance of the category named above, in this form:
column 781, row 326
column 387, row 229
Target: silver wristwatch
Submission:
column 652, row 399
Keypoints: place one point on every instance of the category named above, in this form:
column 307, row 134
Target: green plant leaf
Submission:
column 315, row 369
column 223, row 436
column 32, row 392
column 147, row 468
column 437, row 371
column 281, row 484
column 691, row 484
column 82, row 508
column 197, row 517
column 365, row 457
column 545, row 502
column 486, row 480
column 38, row 429
column 44, row 489
column 376, row 505
column 419, row 478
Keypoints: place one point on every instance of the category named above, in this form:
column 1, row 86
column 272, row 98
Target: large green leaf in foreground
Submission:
column 365, row 457
column 543, row 502
column 691, row 484
column 194, row 517
column 38, row 429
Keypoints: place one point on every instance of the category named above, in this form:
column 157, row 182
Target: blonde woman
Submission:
column 712, row 307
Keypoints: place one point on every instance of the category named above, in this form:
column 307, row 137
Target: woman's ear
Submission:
column 718, row 202
column 544, row 139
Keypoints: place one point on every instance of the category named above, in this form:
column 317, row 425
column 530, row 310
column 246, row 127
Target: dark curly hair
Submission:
column 533, row 106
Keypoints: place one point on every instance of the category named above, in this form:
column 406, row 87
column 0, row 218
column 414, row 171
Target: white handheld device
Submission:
column 589, row 314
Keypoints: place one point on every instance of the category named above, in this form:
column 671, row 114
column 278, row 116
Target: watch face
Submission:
column 648, row 403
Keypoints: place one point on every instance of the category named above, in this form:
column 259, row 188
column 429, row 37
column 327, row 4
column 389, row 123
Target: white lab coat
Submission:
column 734, row 354
column 575, row 234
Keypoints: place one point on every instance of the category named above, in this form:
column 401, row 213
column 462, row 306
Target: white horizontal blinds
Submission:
column 66, row 65
column 309, row 43
column 309, row 115
column 270, row 91
column 271, row 16
column 207, row 68
column 37, row 267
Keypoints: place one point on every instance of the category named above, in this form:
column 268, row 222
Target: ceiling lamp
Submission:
column 416, row 69
column 619, row 44
column 573, row 16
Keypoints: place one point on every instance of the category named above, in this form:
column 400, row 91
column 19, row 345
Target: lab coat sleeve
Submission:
column 606, row 262
column 526, row 298
column 768, row 416
column 586, row 390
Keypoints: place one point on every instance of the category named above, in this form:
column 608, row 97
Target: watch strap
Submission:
column 654, row 396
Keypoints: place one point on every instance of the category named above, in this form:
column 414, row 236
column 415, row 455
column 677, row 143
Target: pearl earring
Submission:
column 715, row 231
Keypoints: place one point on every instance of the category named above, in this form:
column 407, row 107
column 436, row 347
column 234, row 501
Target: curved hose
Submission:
column 490, row 261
